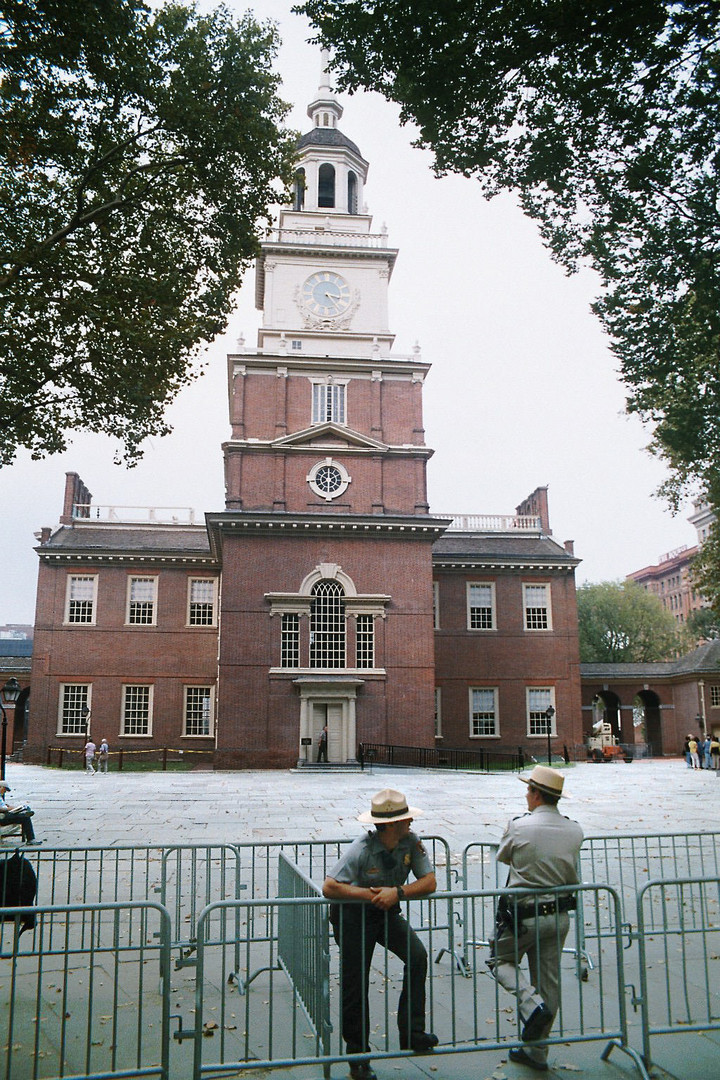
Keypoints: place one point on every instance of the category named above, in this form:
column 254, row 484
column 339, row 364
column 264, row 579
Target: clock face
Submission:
column 326, row 295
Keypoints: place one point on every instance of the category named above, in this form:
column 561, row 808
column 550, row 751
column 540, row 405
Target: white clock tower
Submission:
column 326, row 539
column 324, row 271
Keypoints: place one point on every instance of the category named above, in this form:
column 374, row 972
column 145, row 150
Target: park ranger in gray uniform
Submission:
column 374, row 869
column 541, row 848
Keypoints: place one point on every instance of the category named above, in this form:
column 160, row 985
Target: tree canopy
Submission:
column 141, row 149
column 604, row 118
column 619, row 622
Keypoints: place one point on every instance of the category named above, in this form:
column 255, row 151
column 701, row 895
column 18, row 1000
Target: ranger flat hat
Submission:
column 387, row 806
column 544, row 779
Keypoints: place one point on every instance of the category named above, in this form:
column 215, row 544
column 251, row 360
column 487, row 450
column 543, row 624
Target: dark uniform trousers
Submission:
column 358, row 928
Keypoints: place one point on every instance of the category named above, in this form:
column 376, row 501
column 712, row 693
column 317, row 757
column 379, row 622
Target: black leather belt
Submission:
column 549, row 907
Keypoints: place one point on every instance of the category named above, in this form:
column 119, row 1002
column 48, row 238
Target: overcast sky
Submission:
column 522, row 392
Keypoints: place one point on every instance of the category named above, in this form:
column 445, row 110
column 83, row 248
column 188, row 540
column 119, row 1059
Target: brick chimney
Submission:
column 76, row 495
column 536, row 505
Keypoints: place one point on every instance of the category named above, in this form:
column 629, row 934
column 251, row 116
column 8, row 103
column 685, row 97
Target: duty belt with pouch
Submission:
column 511, row 912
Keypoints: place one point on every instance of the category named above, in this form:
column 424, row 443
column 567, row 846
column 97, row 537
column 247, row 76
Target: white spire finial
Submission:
column 324, row 72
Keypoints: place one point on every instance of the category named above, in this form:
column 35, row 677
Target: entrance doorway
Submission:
column 331, row 701
column 330, row 713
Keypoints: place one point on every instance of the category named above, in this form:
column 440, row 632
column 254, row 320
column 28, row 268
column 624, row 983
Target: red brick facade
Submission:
column 338, row 599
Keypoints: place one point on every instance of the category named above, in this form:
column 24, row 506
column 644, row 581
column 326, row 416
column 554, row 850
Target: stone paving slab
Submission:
column 74, row 809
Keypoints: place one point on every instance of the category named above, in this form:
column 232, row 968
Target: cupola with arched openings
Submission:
column 331, row 171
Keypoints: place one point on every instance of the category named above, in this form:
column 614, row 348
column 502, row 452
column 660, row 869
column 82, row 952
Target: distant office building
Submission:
column 670, row 578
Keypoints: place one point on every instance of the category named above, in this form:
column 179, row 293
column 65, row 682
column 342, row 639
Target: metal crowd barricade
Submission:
column 275, row 1027
column 185, row 878
column 304, row 950
column 684, row 993
column 82, row 993
column 628, row 861
column 314, row 858
column 479, row 872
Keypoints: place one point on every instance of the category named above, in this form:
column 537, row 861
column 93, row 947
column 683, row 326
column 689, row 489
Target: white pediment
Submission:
column 330, row 436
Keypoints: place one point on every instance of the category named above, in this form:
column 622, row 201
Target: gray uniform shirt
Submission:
column 367, row 862
column 541, row 848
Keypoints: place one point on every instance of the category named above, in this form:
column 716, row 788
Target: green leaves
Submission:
column 619, row 622
column 604, row 118
column 142, row 151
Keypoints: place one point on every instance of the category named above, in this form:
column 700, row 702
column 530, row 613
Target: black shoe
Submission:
column 535, row 1027
column 521, row 1058
column 360, row 1070
column 421, row 1042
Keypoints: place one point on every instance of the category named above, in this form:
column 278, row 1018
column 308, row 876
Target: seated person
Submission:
column 17, row 815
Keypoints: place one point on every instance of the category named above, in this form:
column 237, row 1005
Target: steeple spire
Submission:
column 324, row 74
column 325, row 110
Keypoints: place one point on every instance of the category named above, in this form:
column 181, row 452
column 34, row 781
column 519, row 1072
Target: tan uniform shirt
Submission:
column 541, row 848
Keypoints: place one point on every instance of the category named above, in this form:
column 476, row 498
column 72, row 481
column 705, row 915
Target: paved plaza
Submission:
column 644, row 797
column 72, row 807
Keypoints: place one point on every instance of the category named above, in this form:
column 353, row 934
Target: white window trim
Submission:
column 482, row 629
column 214, row 582
column 211, row 699
column 60, row 734
column 496, row 710
column 548, row 593
column 68, row 587
column 332, row 381
column 151, row 701
column 142, row 577
column 553, row 723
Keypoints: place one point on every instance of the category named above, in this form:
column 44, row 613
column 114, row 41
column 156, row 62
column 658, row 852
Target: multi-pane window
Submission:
column 536, row 603
column 438, row 712
column 201, row 602
column 142, row 593
column 136, row 710
column 328, row 403
column 81, row 591
column 198, row 710
column 436, row 605
column 74, row 706
column 327, row 625
column 483, row 712
column 715, row 696
column 539, row 700
column 481, row 606
column 365, row 641
column 290, row 641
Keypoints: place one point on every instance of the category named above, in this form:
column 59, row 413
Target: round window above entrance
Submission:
column 328, row 479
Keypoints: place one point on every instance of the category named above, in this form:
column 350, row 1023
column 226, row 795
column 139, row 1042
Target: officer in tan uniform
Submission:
column 541, row 848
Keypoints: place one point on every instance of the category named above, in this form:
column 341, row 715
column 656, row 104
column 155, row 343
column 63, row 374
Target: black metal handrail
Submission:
column 434, row 757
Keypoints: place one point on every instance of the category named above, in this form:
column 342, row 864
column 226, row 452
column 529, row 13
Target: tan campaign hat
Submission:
column 387, row 806
column 545, row 779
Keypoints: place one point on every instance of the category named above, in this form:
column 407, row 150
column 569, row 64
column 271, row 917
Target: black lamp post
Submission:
column 8, row 696
column 549, row 713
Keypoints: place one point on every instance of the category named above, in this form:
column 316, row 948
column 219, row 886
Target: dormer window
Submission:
column 326, row 185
